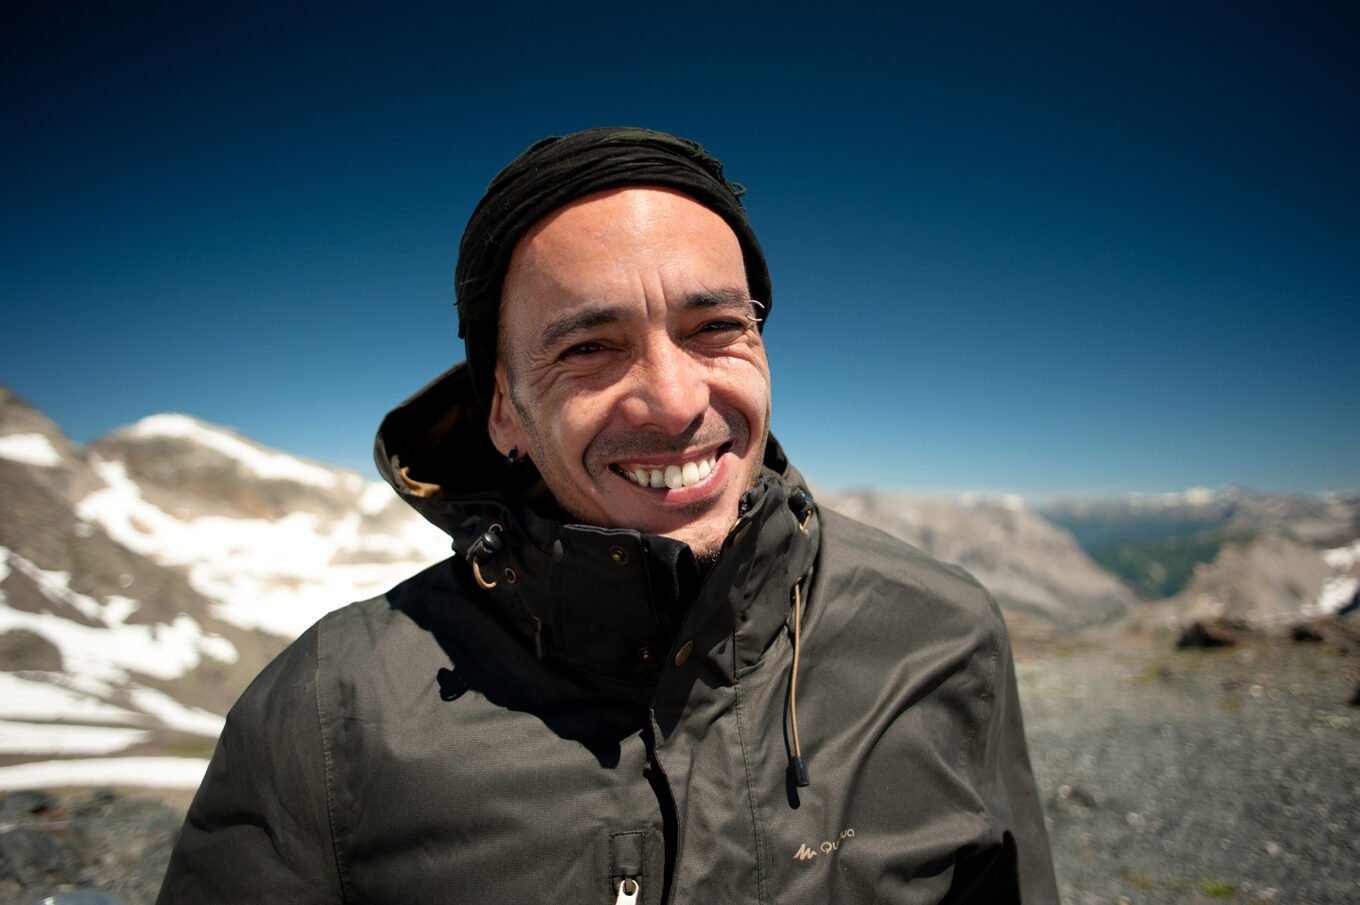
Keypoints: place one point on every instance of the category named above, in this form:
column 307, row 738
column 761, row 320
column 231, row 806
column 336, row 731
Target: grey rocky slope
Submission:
column 1270, row 582
column 1198, row 776
column 94, row 839
column 1040, row 576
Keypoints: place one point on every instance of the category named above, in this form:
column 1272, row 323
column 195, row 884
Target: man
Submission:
column 653, row 671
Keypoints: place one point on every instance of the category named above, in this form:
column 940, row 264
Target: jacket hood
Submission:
column 576, row 591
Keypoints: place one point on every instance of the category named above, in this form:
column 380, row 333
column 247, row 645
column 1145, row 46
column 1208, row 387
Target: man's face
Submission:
column 630, row 370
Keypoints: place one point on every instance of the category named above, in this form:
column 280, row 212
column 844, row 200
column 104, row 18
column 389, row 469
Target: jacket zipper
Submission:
column 656, row 777
column 629, row 890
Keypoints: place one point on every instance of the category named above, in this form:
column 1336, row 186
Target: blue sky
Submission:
column 1036, row 248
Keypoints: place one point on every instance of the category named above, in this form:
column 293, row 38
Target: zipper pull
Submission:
column 628, row 892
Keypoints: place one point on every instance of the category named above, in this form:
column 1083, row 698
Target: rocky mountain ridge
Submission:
column 1319, row 519
column 1266, row 562
column 145, row 579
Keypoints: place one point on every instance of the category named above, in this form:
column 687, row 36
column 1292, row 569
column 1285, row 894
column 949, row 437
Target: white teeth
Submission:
column 673, row 477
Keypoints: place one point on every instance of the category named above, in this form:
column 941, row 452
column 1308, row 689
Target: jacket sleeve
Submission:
column 1007, row 784
column 259, row 829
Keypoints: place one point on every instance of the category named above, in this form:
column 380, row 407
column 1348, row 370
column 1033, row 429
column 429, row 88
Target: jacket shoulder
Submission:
column 388, row 632
column 876, row 566
column 268, row 798
column 345, row 645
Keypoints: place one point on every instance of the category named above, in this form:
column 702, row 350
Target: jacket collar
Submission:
column 607, row 601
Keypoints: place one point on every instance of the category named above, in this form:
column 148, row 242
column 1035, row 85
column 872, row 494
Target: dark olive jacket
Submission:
column 606, row 715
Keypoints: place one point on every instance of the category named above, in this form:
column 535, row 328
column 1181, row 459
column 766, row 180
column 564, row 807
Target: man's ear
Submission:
column 503, row 425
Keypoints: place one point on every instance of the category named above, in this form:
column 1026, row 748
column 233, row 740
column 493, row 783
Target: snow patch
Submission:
column 1336, row 592
column 30, row 449
column 262, row 462
column 279, row 576
column 42, row 738
column 174, row 715
column 1342, row 558
column 43, row 698
column 87, row 685
column 376, row 496
column 261, row 602
column 55, row 586
column 28, row 699
column 117, row 608
column 147, row 772
column 1199, row 496
column 110, row 650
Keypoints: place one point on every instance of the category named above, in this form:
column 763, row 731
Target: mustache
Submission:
column 645, row 443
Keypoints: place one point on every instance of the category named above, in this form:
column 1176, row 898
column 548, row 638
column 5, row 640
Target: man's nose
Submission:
column 670, row 391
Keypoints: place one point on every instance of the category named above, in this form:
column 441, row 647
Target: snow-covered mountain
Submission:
column 274, row 541
column 145, row 580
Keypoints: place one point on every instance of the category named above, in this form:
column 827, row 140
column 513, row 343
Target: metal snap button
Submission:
column 618, row 555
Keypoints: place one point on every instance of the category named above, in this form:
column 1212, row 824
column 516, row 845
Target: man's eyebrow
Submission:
column 556, row 331
column 563, row 328
column 716, row 298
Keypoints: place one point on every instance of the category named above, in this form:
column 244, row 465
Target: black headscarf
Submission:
column 558, row 170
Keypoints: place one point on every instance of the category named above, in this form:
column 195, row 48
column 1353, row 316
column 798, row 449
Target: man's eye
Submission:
column 580, row 350
column 721, row 327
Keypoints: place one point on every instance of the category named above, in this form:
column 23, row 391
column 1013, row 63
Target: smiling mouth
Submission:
column 674, row 476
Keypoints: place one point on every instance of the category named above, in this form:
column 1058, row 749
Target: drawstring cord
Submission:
column 800, row 501
column 800, row 770
column 489, row 543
